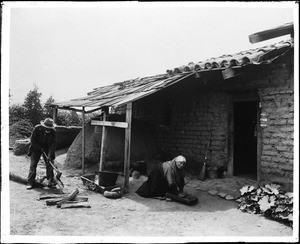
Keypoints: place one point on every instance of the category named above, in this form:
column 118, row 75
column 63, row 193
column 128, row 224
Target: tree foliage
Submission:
column 48, row 111
column 16, row 113
column 33, row 111
column 33, row 106
column 68, row 118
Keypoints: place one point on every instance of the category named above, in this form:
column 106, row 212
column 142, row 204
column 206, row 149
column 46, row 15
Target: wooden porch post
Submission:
column 102, row 152
column 83, row 142
column 259, row 141
column 55, row 114
column 127, row 147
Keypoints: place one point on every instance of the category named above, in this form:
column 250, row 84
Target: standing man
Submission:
column 43, row 139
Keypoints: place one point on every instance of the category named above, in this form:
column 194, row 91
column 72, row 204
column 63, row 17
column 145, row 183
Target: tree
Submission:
column 48, row 111
column 33, row 107
column 68, row 118
column 16, row 113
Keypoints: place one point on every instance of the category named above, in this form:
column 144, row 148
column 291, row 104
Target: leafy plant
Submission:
column 269, row 200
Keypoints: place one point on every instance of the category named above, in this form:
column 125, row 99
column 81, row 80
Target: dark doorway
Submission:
column 245, row 140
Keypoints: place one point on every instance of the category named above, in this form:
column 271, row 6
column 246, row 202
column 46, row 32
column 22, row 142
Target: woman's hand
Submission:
column 182, row 194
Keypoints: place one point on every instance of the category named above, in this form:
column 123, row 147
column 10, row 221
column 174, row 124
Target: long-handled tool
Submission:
column 58, row 173
column 203, row 170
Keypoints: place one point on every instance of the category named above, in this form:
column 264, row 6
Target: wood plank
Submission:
column 127, row 147
column 58, row 201
column 102, row 143
column 83, row 142
column 287, row 29
column 70, row 202
column 75, row 205
column 110, row 123
column 51, row 195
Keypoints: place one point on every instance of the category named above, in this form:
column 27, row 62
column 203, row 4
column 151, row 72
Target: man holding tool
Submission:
column 43, row 140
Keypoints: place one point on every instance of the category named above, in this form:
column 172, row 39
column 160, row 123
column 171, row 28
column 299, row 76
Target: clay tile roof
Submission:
column 253, row 56
column 120, row 93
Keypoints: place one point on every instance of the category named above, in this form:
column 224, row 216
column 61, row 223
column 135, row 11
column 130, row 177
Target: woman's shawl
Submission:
column 172, row 174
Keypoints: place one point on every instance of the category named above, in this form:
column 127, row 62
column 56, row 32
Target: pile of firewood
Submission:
column 71, row 200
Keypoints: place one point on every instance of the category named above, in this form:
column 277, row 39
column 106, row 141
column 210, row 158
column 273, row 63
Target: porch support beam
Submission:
column 127, row 147
column 102, row 152
column 55, row 114
column 83, row 142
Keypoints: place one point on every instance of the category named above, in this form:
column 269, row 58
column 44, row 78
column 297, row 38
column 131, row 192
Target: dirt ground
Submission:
column 131, row 216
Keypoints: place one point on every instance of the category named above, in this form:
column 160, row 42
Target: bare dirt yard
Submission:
column 111, row 220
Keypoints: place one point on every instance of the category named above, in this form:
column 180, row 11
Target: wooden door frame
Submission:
column 243, row 97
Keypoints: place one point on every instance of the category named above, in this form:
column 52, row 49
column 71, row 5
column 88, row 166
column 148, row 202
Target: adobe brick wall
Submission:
column 277, row 123
column 184, row 125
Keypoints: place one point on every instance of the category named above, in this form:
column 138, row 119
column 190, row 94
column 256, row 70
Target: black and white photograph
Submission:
column 149, row 122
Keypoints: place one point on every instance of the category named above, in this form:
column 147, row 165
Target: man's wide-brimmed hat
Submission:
column 48, row 123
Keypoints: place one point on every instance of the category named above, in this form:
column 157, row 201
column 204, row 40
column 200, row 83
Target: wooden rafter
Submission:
column 287, row 29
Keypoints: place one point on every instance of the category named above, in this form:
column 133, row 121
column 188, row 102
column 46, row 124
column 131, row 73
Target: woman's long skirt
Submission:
column 155, row 186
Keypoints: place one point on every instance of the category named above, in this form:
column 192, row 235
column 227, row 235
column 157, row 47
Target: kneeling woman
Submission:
column 165, row 177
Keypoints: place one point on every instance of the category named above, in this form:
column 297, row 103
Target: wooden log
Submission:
column 77, row 200
column 22, row 180
column 189, row 199
column 75, row 205
column 58, row 201
column 55, row 201
column 73, row 194
column 49, row 196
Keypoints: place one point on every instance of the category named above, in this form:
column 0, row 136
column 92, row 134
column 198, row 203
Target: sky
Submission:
column 68, row 49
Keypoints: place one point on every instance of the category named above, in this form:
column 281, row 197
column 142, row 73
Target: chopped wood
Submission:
column 58, row 201
column 75, row 205
column 47, row 196
column 77, row 200
column 73, row 194
column 54, row 201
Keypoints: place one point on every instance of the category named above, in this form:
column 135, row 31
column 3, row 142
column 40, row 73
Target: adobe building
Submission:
column 237, row 109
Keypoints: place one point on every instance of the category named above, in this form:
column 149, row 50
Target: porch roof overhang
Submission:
column 119, row 94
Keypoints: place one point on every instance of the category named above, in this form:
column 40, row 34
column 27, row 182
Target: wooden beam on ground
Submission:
column 287, row 29
column 109, row 123
column 83, row 142
column 127, row 147
column 102, row 152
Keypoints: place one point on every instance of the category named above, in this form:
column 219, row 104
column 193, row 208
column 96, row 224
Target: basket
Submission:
column 107, row 178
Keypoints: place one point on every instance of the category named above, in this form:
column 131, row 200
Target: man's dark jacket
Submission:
column 40, row 139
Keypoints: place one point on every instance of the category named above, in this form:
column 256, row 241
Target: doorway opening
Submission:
column 245, row 139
